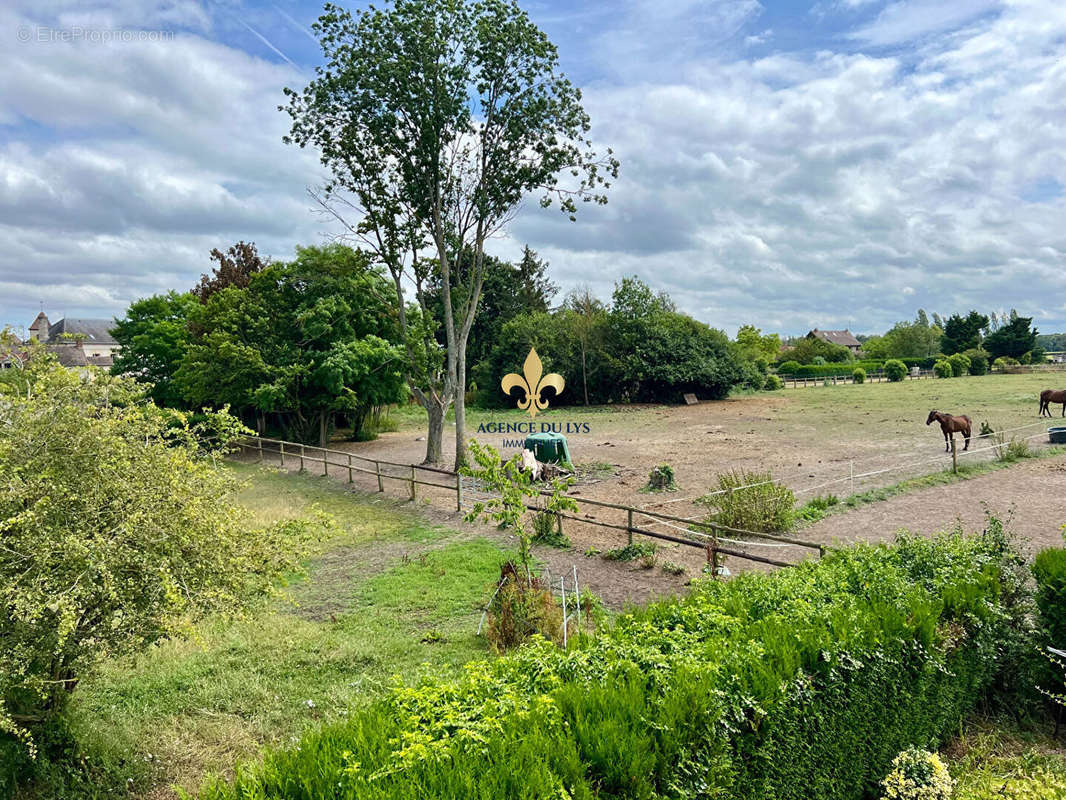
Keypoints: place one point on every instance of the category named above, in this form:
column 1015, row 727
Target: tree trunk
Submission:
column 323, row 428
column 435, row 434
column 460, row 409
column 584, row 375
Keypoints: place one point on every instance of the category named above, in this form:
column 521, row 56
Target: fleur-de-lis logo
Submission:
column 534, row 381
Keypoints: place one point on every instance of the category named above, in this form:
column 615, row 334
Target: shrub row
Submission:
column 800, row 684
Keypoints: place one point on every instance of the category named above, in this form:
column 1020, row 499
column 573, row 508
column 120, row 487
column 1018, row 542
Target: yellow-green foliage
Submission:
column 117, row 529
column 917, row 775
column 1041, row 785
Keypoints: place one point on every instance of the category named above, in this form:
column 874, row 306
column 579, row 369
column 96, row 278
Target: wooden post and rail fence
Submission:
column 704, row 536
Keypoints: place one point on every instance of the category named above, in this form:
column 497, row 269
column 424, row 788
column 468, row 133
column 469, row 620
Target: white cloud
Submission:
column 909, row 20
column 829, row 187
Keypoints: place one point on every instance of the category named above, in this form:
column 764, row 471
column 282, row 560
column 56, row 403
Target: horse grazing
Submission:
column 1049, row 396
column 951, row 425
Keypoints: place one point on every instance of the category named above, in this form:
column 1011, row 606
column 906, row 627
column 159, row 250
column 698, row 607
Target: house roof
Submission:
column 96, row 331
column 69, row 354
column 41, row 323
column 843, row 337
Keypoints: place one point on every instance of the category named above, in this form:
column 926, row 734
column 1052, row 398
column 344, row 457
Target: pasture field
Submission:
column 392, row 595
column 813, row 440
column 389, row 596
column 806, row 436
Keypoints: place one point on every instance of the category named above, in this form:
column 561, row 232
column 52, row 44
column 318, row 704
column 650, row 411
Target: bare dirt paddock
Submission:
column 822, row 440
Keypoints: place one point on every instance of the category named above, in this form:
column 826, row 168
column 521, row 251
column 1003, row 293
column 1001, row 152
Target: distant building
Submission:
column 843, row 338
column 77, row 342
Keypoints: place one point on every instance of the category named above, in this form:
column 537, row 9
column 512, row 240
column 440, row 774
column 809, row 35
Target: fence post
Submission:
column 349, row 468
column 412, row 483
column 260, row 441
column 325, row 462
column 629, row 525
column 458, row 491
column 301, row 458
column 377, row 469
column 283, row 454
column 954, row 456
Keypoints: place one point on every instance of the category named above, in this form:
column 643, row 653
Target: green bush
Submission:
column 631, row 552
column 750, row 501
column 943, row 369
column 895, row 370
column 117, row 529
column 773, row 383
column 802, row 684
column 1003, row 362
column 817, row 507
column 859, row 375
column 1049, row 569
column 960, row 364
column 661, row 479
column 818, row 360
column 978, row 362
column 789, row 368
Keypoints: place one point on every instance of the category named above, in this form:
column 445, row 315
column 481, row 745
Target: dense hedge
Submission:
column 792, row 369
column 1049, row 569
column 800, row 684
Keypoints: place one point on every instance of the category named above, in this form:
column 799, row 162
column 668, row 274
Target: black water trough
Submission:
column 1057, row 435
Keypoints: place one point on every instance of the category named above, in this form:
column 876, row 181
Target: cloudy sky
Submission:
column 792, row 163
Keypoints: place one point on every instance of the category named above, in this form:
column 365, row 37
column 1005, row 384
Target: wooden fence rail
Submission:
column 709, row 533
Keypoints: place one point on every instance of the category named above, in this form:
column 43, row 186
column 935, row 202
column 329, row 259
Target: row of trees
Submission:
column 1008, row 336
column 637, row 348
column 297, row 345
column 297, row 342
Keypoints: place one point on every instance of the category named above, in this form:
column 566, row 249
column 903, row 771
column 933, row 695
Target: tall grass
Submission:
column 750, row 501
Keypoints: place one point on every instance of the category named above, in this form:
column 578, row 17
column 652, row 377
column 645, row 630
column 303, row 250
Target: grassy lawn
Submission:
column 388, row 597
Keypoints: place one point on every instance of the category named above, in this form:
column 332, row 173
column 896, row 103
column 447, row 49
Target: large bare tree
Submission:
column 435, row 118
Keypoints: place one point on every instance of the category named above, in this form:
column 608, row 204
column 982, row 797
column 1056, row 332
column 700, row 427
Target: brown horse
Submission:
column 951, row 425
column 1049, row 396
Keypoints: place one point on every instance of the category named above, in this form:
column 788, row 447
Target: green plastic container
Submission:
column 551, row 448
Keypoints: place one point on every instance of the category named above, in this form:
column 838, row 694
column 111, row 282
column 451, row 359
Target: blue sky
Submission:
column 825, row 163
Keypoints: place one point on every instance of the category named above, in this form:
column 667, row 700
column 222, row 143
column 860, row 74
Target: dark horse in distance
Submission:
column 951, row 425
column 1049, row 396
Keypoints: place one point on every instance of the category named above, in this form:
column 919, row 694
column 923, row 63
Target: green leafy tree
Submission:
column 1012, row 339
column 661, row 354
column 962, row 333
column 116, row 529
column 439, row 118
column 154, row 337
column 754, row 345
column 807, row 349
column 916, row 339
column 303, row 342
column 586, row 319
